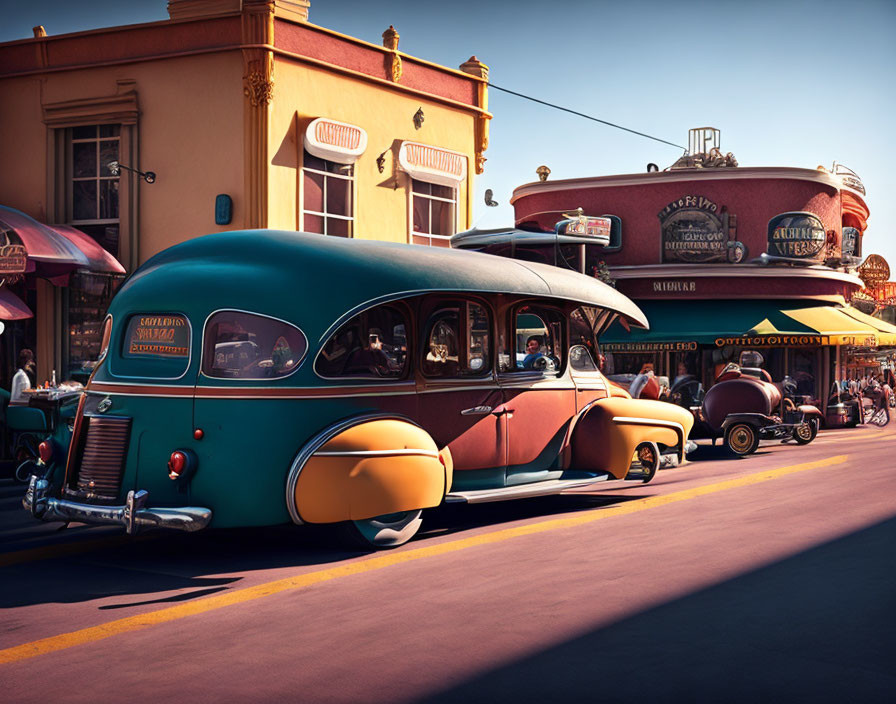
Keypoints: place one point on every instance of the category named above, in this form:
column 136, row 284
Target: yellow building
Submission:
column 231, row 114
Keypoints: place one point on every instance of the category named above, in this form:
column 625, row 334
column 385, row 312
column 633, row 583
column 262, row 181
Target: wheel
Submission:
column 879, row 418
column 386, row 531
column 742, row 439
column 647, row 464
column 805, row 432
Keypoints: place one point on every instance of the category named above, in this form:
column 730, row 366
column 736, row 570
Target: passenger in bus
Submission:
column 533, row 352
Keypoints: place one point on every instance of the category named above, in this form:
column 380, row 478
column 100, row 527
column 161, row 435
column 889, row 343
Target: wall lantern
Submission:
column 223, row 209
column 543, row 172
column 419, row 117
column 115, row 169
column 381, row 161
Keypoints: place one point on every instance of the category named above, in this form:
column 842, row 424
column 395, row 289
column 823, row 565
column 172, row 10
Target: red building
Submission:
column 724, row 258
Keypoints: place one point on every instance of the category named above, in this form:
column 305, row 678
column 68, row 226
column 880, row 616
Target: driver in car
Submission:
column 533, row 352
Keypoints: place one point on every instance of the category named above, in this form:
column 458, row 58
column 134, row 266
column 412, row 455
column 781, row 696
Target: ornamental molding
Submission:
column 259, row 88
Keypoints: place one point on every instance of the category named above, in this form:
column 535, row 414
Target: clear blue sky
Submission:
column 788, row 82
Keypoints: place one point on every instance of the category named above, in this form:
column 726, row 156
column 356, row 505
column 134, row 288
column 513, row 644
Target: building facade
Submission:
column 724, row 258
column 230, row 115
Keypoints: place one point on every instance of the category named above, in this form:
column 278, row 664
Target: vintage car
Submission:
column 744, row 406
column 256, row 378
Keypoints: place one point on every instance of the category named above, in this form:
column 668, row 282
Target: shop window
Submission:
column 433, row 213
column 457, row 342
column 240, row 345
column 538, row 338
column 373, row 344
column 88, row 296
column 93, row 189
column 327, row 197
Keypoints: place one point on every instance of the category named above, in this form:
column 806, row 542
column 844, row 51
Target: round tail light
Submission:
column 177, row 463
column 45, row 450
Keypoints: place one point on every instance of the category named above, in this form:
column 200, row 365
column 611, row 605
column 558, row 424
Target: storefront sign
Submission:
column 649, row 347
column 693, row 232
column 796, row 236
column 874, row 270
column 798, row 341
column 674, row 286
column 885, row 293
column 162, row 336
column 596, row 228
column 13, row 259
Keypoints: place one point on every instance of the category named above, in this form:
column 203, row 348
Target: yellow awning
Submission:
column 839, row 327
column 886, row 331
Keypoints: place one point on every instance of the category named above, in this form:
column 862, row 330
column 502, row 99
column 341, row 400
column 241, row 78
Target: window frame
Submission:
column 408, row 318
column 303, row 211
column 71, row 179
column 561, row 339
column 429, row 198
column 461, row 305
column 201, row 371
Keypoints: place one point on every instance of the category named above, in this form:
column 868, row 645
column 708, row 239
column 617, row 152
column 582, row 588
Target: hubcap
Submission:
column 741, row 439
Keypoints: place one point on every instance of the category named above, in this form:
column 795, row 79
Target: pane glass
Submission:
column 442, row 218
column 420, row 186
column 88, row 298
column 87, row 132
column 108, row 152
column 314, row 223
column 441, row 354
column 478, row 353
column 339, row 197
column 109, row 199
column 314, row 192
column 84, row 200
column 110, row 130
column 84, row 159
column 538, row 339
column 580, row 359
column 339, row 228
column 246, row 346
column 371, row 345
column 421, row 214
column 312, row 162
column 442, row 191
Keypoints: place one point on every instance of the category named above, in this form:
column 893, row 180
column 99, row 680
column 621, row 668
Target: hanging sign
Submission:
column 693, row 231
column 13, row 260
column 874, row 270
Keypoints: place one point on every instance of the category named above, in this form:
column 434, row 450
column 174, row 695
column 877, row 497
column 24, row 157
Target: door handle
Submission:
column 477, row 411
column 502, row 411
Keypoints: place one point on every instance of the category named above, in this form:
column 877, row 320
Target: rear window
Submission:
column 152, row 345
column 240, row 345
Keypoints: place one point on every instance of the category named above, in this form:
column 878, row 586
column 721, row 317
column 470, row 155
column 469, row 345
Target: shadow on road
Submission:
column 816, row 627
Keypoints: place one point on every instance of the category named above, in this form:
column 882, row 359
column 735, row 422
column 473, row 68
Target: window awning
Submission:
column 432, row 164
column 750, row 323
column 335, row 141
column 12, row 307
column 55, row 250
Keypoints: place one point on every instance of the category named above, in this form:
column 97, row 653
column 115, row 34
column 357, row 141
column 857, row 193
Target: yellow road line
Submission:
column 240, row 596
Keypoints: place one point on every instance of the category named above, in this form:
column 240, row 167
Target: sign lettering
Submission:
column 159, row 336
column 796, row 236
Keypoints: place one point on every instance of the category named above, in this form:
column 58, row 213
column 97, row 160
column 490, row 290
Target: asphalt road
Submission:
column 767, row 578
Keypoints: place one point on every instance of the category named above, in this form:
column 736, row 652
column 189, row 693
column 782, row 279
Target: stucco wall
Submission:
column 303, row 93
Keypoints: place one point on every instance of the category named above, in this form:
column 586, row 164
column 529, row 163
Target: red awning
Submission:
column 55, row 250
column 12, row 307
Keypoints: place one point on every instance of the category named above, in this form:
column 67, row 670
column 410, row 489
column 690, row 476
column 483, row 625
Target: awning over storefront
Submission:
column 747, row 323
column 12, row 307
column 55, row 250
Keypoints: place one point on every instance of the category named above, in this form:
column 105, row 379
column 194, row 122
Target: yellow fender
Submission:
column 369, row 469
column 606, row 436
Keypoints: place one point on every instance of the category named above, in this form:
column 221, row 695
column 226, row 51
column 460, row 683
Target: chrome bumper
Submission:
column 133, row 515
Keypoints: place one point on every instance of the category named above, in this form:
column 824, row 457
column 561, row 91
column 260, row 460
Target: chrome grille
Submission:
column 102, row 459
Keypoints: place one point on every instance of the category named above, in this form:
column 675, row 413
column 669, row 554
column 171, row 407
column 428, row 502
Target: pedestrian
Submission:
column 22, row 379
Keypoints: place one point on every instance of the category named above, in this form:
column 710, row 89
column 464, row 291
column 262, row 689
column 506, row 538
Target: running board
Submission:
column 521, row 491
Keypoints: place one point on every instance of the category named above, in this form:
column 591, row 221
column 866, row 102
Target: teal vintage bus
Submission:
column 262, row 377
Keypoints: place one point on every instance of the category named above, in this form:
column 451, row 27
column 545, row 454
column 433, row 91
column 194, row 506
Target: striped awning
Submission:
column 432, row 164
column 335, row 141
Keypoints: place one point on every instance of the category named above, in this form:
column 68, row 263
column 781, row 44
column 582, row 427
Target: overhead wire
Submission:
column 582, row 114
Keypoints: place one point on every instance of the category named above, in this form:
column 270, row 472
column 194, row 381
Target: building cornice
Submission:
column 692, row 271
column 738, row 173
